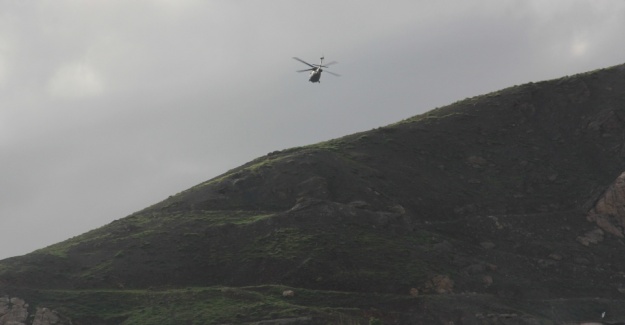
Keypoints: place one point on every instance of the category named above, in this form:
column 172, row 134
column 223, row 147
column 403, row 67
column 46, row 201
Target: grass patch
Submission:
column 201, row 305
column 283, row 243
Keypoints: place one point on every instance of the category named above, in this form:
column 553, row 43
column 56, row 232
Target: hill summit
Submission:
column 505, row 208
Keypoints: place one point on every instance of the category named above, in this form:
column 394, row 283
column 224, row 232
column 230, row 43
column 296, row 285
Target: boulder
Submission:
column 441, row 284
column 13, row 311
column 609, row 211
column 45, row 316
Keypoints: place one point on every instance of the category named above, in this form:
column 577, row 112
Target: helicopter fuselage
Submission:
column 315, row 75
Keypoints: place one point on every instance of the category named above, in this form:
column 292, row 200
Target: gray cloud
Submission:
column 107, row 107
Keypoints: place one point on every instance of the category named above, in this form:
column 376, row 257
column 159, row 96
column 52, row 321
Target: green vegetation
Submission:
column 283, row 243
column 374, row 321
column 207, row 305
column 332, row 145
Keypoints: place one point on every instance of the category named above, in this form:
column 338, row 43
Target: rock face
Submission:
column 14, row 311
column 609, row 211
column 45, row 316
column 441, row 284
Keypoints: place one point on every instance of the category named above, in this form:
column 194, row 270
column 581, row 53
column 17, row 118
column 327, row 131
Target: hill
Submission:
column 504, row 208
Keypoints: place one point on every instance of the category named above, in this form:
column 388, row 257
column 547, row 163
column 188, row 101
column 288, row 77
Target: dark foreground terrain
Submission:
column 505, row 208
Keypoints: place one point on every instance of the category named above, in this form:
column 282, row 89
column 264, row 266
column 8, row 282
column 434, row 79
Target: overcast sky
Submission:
column 107, row 106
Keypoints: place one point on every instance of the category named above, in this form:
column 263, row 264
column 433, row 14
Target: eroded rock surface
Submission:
column 609, row 211
column 14, row 311
column 45, row 316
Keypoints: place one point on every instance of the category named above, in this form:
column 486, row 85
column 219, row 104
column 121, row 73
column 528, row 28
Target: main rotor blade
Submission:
column 305, row 70
column 332, row 73
column 325, row 65
column 304, row 62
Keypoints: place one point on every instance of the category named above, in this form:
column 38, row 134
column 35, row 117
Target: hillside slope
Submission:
column 480, row 212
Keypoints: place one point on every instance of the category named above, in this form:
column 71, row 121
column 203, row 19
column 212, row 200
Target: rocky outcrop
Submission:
column 45, row 316
column 441, row 284
column 592, row 237
column 14, row 311
column 609, row 211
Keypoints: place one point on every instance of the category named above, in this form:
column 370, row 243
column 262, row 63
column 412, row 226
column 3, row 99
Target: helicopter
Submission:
column 315, row 69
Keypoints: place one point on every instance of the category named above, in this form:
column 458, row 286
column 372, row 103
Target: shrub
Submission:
column 374, row 321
